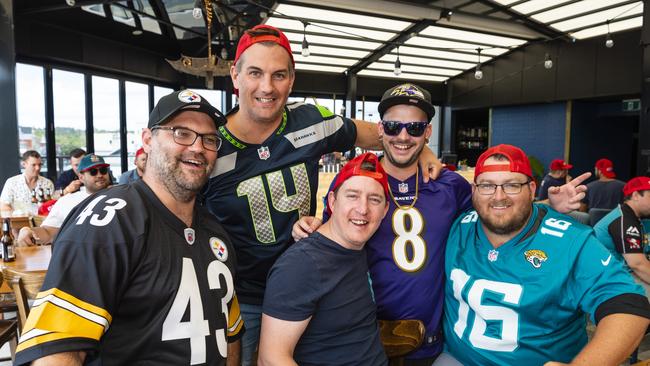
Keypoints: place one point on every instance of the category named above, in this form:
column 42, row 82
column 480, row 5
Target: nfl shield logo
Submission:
column 403, row 187
column 493, row 255
column 264, row 152
column 189, row 235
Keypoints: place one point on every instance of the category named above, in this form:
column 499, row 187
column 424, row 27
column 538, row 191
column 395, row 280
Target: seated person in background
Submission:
column 318, row 305
column 17, row 191
column 136, row 173
column 521, row 276
column 68, row 181
column 606, row 192
column 93, row 174
column 623, row 231
column 557, row 176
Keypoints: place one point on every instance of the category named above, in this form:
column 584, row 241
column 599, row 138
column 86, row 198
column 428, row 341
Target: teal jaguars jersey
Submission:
column 259, row 191
column 524, row 303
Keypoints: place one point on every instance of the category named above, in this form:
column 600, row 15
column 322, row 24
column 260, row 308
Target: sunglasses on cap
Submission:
column 415, row 129
column 93, row 171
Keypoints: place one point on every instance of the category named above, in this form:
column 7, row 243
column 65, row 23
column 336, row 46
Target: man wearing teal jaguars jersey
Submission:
column 520, row 278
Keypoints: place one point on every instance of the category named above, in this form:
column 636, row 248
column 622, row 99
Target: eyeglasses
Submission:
column 489, row 189
column 186, row 137
column 415, row 129
column 93, row 171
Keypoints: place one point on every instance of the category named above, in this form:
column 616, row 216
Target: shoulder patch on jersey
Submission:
column 536, row 257
column 189, row 235
column 314, row 133
column 324, row 111
column 219, row 249
column 224, row 164
column 633, row 231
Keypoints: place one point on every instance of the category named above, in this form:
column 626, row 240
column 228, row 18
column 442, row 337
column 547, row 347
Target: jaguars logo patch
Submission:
column 536, row 257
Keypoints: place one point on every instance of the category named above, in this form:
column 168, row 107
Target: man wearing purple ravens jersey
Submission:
column 406, row 254
column 266, row 176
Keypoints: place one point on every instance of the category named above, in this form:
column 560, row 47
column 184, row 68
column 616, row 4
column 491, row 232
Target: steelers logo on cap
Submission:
column 219, row 249
column 188, row 96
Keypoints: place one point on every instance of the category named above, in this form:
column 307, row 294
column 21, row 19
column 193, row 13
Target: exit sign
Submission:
column 631, row 105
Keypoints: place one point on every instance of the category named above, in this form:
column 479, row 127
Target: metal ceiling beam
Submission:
column 593, row 11
column 166, row 28
column 388, row 46
column 527, row 21
column 413, row 13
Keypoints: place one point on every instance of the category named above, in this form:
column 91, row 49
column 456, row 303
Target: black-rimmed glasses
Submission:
column 186, row 137
column 101, row 170
column 489, row 189
column 415, row 129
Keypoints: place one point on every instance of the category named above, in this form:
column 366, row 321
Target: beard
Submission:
column 401, row 164
column 501, row 225
column 168, row 170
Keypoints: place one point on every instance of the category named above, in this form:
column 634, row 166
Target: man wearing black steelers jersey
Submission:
column 140, row 275
column 267, row 172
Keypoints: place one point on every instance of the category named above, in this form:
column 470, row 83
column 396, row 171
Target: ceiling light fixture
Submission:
column 398, row 65
column 305, row 44
column 197, row 13
column 137, row 32
column 263, row 14
column 224, row 53
column 478, row 74
column 71, row 2
column 609, row 42
column 446, row 13
column 548, row 63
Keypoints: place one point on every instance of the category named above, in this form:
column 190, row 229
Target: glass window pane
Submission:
column 69, row 115
column 371, row 112
column 159, row 92
column 137, row 117
column 212, row 96
column 106, row 117
column 31, row 111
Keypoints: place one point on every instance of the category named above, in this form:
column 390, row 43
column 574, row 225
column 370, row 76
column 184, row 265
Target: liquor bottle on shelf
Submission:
column 7, row 241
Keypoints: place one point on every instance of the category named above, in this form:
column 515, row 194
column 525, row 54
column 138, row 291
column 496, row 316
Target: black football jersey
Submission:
column 259, row 191
column 130, row 284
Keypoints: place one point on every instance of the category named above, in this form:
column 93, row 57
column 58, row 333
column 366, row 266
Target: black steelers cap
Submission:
column 183, row 100
column 407, row 94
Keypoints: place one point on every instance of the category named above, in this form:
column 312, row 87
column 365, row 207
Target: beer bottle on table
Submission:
column 7, row 242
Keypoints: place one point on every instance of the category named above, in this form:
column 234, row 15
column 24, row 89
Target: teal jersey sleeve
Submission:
column 598, row 276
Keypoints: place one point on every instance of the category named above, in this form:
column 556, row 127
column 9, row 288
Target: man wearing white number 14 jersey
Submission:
column 520, row 278
column 140, row 274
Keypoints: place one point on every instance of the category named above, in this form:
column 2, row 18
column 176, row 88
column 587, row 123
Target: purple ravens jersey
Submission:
column 406, row 254
column 259, row 191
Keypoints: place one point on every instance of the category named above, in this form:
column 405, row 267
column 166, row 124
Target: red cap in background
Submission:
column 559, row 164
column 606, row 168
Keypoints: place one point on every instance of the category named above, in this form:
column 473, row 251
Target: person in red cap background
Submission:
column 318, row 306
column 521, row 276
column 266, row 176
column 624, row 230
column 558, row 175
column 607, row 191
column 136, row 173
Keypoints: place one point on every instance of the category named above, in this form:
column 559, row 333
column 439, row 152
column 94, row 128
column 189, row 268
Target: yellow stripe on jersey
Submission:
column 235, row 321
column 57, row 315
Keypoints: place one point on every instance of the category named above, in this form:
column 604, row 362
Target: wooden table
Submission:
column 31, row 265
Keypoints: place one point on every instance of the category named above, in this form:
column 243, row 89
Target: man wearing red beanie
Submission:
column 136, row 173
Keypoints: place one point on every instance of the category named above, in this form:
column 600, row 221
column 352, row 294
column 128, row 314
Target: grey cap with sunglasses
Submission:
column 409, row 94
column 91, row 161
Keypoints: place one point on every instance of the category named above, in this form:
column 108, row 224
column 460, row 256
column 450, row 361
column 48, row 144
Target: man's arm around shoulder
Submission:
column 639, row 264
column 278, row 339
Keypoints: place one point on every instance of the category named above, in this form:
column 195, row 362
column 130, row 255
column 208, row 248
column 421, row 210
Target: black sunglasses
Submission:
column 415, row 129
column 102, row 170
